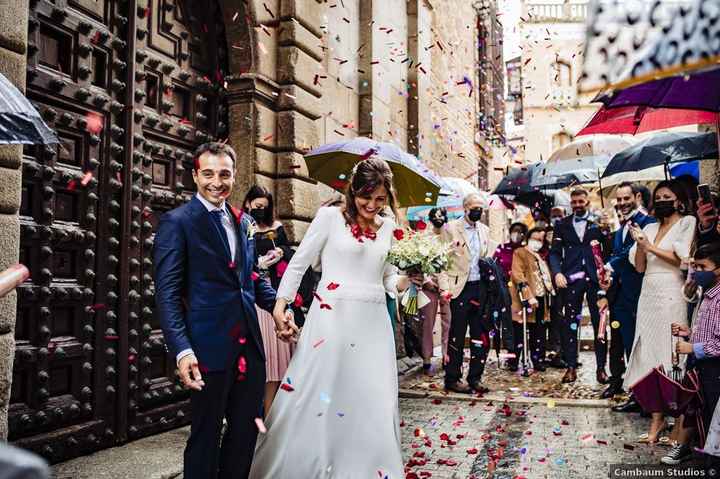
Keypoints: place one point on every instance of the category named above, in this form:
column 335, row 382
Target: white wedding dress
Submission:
column 340, row 419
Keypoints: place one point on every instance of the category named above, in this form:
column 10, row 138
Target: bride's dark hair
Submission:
column 367, row 176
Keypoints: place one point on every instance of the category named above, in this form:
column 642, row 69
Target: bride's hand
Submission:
column 285, row 326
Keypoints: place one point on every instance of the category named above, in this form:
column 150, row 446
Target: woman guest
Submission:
column 531, row 290
column 659, row 250
column 436, row 289
column 273, row 249
column 504, row 253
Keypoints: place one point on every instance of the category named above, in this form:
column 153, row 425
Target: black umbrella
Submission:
column 664, row 149
column 519, row 180
column 20, row 122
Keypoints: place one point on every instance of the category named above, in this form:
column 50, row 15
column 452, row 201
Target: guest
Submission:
column 470, row 242
column 704, row 347
column 708, row 227
column 504, row 253
column 436, row 289
column 274, row 252
column 531, row 291
column 625, row 290
column 659, row 250
column 554, row 345
column 573, row 267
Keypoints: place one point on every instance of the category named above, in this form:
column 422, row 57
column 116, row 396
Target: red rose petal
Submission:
column 242, row 364
column 333, row 286
column 398, row 234
column 472, row 451
column 325, row 306
column 254, row 276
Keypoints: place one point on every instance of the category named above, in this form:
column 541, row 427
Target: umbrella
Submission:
column 694, row 92
column 664, row 149
column 332, row 164
column 519, row 180
column 453, row 191
column 657, row 392
column 590, row 146
column 20, row 122
column 560, row 174
column 639, row 119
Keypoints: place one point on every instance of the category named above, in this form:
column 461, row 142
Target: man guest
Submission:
column 206, row 293
column 469, row 240
column 573, row 267
column 625, row 284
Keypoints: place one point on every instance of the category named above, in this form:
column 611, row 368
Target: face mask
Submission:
column 259, row 215
column 475, row 214
column 555, row 221
column 534, row 245
column 704, row 279
column 664, row 208
column 437, row 223
column 515, row 237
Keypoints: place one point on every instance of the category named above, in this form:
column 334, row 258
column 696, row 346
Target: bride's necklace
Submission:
column 359, row 233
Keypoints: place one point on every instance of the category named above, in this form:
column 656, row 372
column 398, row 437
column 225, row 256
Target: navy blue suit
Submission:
column 574, row 259
column 206, row 301
column 627, row 282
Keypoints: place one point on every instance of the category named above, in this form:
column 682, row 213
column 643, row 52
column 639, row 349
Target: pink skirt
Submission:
column 277, row 353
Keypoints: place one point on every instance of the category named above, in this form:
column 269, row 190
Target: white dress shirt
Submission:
column 232, row 239
column 475, row 243
column 626, row 226
column 581, row 226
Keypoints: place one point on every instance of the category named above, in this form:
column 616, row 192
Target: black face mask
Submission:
column 664, row 208
column 475, row 214
column 260, row 215
column 438, row 223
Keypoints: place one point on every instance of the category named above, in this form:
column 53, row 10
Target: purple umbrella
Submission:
column 657, row 392
column 698, row 91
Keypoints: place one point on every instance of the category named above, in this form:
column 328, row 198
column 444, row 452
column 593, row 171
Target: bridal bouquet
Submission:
column 413, row 253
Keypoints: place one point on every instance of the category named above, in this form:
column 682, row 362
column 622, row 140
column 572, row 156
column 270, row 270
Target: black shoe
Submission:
column 458, row 387
column 512, row 365
column 557, row 363
column 539, row 366
column 601, row 376
column 678, row 454
column 612, row 390
column 630, row 406
column 479, row 387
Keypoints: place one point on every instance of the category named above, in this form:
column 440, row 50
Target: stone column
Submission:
column 13, row 46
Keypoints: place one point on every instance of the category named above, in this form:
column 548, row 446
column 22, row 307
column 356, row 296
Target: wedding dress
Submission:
column 336, row 414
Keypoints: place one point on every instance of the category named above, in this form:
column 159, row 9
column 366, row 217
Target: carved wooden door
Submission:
column 131, row 87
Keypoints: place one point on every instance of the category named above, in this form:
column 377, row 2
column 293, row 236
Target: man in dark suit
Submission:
column 625, row 285
column 573, row 266
column 205, row 292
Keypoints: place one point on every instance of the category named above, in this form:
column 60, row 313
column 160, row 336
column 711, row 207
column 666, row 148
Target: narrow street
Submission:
column 512, row 432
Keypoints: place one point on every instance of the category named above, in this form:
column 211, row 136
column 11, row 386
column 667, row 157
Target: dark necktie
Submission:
column 216, row 215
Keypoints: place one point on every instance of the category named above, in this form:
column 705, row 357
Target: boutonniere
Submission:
column 251, row 230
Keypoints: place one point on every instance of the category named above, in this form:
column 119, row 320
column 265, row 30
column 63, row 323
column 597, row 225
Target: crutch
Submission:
column 526, row 365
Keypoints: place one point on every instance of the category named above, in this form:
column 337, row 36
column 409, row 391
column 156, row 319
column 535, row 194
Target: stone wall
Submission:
column 13, row 45
column 322, row 72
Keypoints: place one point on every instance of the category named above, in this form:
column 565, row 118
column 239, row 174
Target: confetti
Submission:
column 318, row 342
column 260, row 425
column 287, row 387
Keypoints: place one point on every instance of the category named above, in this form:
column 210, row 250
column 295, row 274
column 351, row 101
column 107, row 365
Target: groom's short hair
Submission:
column 214, row 147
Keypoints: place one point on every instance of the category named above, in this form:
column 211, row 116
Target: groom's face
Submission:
column 214, row 177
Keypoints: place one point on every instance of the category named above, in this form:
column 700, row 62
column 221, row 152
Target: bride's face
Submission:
column 370, row 204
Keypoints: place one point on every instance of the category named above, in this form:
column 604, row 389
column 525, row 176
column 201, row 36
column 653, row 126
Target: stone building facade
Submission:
column 132, row 86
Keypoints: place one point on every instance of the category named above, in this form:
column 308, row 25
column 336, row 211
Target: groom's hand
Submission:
column 190, row 372
column 285, row 326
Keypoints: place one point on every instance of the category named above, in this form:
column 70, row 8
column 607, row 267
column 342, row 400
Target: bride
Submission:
column 336, row 414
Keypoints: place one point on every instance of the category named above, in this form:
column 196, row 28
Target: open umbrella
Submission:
column 561, row 174
column 636, row 119
column 332, row 164
column 519, row 180
column 590, row 146
column 664, row 149
column 658, row 392
column 20, row 122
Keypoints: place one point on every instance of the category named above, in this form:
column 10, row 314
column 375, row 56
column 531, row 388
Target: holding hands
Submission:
column 680, row 330
column 285, row 326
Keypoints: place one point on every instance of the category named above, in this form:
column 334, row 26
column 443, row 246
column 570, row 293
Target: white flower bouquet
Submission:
column 417, row 253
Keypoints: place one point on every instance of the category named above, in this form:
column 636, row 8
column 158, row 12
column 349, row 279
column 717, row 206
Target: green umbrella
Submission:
column 332, row 164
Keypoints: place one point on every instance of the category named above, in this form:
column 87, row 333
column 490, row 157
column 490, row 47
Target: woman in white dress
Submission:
column 658, row 252
column 336, row 414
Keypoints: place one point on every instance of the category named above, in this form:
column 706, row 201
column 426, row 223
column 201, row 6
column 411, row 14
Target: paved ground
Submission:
column 525, row 428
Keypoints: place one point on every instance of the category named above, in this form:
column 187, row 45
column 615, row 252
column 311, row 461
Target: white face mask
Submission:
column 534, row 245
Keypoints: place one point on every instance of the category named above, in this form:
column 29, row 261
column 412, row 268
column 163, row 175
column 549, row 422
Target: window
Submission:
column 55, row 49
column 560, row 139
column 561, row 74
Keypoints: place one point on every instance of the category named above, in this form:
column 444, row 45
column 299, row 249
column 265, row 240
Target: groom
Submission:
column 205, row 295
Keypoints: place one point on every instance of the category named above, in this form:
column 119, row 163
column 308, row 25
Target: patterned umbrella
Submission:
column 332, row 164
column 20, row 122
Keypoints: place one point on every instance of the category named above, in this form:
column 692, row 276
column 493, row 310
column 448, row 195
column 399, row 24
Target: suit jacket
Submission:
column 459, row 270
column 569, row 255
column 627, row 282
column 204, row 300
